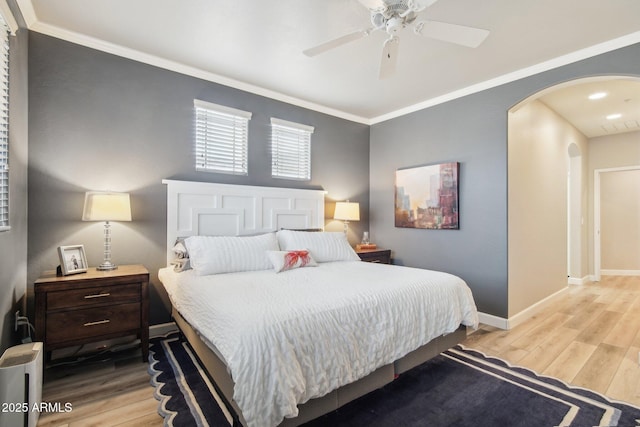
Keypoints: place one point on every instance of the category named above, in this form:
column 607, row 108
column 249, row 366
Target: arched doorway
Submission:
column 550, row 183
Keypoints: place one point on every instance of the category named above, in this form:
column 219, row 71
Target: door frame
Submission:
column 597, row 260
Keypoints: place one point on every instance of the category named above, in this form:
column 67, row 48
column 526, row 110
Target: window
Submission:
column 4, row 125
column 221, row 138
column 290, row 150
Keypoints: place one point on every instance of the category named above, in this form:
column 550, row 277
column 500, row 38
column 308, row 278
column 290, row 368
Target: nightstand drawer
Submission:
column 381, row 256
column 91, row 296
column 88, row 322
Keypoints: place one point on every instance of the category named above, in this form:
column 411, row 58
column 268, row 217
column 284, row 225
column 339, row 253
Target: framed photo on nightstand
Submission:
column 72, row 259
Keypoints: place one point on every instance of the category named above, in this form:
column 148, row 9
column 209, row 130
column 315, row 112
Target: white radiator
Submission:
column 21, row 385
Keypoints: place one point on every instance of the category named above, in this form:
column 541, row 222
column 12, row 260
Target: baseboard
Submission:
column 579, row 281
column 495, row 321
column 523, row 316
column 620, row 272
column 162, row 329
column 534, row 309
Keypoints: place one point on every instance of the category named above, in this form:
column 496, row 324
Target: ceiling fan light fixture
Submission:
column 378, row 20
column 394, row 25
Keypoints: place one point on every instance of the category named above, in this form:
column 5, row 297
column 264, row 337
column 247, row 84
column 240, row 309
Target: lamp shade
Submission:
column 106, row 206
column 347, row 211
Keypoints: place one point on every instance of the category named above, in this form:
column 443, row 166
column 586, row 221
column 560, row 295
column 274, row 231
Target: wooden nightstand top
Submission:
column 368, row 251
column 92, row 274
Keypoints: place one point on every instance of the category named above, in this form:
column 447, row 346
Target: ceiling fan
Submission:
column 392, row 16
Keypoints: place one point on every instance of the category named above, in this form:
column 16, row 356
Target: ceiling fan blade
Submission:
column 331, row 44
column 389, row 57
column 452, row 33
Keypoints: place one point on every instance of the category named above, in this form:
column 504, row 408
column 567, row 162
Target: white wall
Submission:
column 578, row 264
column 538, row 163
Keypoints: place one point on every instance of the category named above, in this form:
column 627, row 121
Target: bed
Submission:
column 290, row 324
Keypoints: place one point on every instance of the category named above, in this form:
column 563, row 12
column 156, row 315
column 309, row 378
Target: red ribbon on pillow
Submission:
column 291, row 258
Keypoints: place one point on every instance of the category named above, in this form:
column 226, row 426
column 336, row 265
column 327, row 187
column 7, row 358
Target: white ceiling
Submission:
column 256, row 45
column 622, row 96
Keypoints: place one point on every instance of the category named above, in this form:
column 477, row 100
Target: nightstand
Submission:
column 382, row 256
column 92, row 306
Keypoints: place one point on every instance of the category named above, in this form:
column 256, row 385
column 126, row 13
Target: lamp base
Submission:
column 106, row 266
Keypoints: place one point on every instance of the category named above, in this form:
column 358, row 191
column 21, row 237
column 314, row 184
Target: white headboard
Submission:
column 203, row 208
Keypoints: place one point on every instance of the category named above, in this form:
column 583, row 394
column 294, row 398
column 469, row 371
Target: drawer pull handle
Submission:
column 376, row 260
column 97, row 295
column 99, row 322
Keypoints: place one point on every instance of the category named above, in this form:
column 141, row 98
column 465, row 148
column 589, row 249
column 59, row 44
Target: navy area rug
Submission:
column 460, row 387
column 186, row 394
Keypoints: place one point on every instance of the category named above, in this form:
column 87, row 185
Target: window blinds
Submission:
column 290, row 150
column 4, row 125
column 221, row 137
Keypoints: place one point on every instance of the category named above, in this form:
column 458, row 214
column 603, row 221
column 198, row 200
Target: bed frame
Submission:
column 195, row 208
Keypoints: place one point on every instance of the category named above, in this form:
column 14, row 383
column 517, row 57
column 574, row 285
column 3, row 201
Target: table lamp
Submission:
column 106, row 206
column 347, row 211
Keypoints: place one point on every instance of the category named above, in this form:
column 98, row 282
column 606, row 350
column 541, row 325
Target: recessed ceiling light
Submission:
column 614, row 116
column 597, row 95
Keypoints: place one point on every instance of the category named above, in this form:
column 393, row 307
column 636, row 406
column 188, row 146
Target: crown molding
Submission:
column 7, row 14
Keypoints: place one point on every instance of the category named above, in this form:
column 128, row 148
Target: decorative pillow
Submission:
column 324, row 247
column 229, row 254
column 288, row 260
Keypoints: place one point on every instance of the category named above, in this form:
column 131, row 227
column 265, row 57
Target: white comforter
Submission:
column 296, row 335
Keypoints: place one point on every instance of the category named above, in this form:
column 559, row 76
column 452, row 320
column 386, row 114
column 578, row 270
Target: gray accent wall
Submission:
column 13, row 243
column 102, row 122
column 473, row 131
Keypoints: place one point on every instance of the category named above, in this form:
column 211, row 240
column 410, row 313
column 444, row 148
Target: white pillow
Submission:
column 229, row 254
column 324, row 246
column 289, row 260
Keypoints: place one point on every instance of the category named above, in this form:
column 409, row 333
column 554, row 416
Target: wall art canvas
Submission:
column 427, row 197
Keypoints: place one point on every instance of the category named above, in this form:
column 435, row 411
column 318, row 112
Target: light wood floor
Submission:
column 589, row 337
column 114, row 391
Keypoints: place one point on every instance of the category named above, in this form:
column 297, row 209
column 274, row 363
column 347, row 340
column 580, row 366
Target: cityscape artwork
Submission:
column 427, row 197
